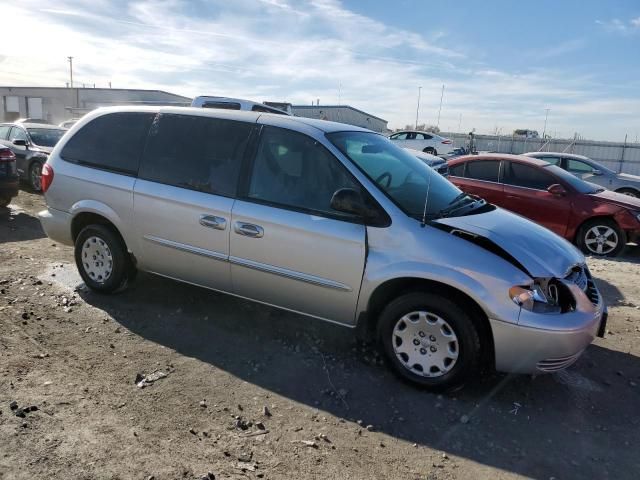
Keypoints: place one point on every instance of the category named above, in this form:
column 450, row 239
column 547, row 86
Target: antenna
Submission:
column 426, row 200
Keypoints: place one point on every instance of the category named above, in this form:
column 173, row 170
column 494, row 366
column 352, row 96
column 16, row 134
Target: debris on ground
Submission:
column 143, row 380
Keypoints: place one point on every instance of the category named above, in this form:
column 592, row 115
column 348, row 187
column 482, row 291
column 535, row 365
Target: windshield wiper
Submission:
column 457, row 205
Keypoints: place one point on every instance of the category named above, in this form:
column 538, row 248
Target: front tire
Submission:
column 630, row 192
column 102, row 259
column 430, row 150
column 601, row 237
column 429, row 341
column 35, row 176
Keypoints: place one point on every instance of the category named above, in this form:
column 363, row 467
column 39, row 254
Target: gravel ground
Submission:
column 170, row 381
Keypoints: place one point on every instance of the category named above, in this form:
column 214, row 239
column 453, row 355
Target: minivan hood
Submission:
column 541, row 252
column 619, row 199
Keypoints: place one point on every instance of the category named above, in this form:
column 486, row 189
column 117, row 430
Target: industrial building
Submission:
column 342, row 114
column 56, row 104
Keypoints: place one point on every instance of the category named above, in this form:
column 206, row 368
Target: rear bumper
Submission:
column 9, row 188
column 57, row 225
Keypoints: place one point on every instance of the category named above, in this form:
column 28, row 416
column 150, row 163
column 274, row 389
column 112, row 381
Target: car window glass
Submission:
column 411, row 136
column 294, row 170
column 419, row 136
column 198, row 153
column 577, row 166
column 222, row 105
column 427, row 136
column 551, row 160
column 46, row 137
column 399, row 136
column 17, row 134
column 483, row 170
column 4, row 131
column 114, row 141
column 520, row 175
column 457, row 170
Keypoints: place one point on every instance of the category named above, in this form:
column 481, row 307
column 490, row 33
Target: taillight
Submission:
column 447, row 142
column 47, row 177
column 6, row 155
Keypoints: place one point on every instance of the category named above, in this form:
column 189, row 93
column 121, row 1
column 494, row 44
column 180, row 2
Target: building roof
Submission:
column 320, row 107
column 97, row 89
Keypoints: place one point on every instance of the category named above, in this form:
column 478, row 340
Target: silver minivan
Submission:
column 324, row 219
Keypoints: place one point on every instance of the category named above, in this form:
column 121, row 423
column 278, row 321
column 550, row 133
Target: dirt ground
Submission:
column 71, row 359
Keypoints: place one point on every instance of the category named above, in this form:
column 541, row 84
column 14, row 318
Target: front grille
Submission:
column 557, row 364
column 592, row 292
column 582, row 278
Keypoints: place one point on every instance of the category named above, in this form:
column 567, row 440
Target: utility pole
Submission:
column 70, row 71
column 418, row 107
column 440, row 109
column 459, row 123
column 544, row 130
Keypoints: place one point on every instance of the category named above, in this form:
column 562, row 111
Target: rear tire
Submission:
column 429, row 341
column 601, row 237
column 102, row 259
column 35, row 176
column 630, row 192
column 430, row 150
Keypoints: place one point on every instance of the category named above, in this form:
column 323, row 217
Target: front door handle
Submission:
column 249, row 230
column 212, row 221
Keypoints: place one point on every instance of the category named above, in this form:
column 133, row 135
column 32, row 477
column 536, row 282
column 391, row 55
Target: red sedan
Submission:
column 598, row 221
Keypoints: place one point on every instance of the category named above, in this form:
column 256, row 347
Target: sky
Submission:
column 503, row 63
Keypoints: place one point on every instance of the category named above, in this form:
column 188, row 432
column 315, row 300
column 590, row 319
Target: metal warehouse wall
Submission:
column 620, row 157
column 345, row 114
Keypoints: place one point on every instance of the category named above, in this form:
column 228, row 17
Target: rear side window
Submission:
column 483, row 170
column 576, row 166
column 520, row 175
column 114, row 141
column 198, row 153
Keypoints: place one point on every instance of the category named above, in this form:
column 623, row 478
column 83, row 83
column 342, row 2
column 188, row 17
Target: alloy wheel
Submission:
column 601, row 239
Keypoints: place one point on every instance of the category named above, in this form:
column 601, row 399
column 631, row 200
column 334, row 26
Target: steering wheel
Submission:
column 386, row 175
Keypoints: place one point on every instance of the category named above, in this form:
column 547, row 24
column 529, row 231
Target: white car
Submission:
column 227, row 103
column 423, row 141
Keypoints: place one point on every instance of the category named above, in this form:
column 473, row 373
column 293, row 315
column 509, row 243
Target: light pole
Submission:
column 544, row 130
column 418, row 107
column 440, row 109
column 70, row 71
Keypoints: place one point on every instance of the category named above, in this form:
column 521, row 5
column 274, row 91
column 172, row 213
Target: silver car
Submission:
column 324, row 219
column 592, row 171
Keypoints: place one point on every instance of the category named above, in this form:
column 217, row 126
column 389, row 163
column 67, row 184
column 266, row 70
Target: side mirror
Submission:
column 596, row 172
column 348, row 200
column 20, row 143
column 557, row 190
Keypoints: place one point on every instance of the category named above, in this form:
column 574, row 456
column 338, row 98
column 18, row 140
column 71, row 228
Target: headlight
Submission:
column 543, row 296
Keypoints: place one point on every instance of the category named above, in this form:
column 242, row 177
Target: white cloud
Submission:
column 292, row 51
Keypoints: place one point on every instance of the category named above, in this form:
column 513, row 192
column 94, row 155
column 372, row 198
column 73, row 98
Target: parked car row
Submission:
column 31, row 143
column 328, row 220
column 598, row 221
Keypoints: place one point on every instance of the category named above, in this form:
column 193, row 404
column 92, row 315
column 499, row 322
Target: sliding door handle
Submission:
column 212, row 221
column 249, row 229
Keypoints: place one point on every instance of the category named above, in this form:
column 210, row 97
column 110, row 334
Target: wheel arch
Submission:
column 92, row 212
column 609, row 217
column 393, row 288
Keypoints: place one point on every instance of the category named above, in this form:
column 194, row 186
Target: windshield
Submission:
column 577, row 183
column 46, row 137
column 400, row 175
